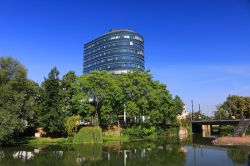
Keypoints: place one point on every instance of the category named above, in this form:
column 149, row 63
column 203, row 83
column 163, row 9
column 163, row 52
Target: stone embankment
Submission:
column 232, row 141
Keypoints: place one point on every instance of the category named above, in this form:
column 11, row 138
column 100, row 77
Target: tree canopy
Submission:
column 221, row 113
column 238, row 106
column 101, row 97
column 51, row 115
column 135, row 93
column 17, row 95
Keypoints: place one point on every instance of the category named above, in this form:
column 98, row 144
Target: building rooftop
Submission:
column 110, row 32
column 119, row 30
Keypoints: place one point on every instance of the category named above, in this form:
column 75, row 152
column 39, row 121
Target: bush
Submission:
column 140, row 132
column 171, row 132
column 88, row 135
column 226, row 130
column 71, row 124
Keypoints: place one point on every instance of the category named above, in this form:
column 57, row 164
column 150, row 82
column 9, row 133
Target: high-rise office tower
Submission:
column 117, row 51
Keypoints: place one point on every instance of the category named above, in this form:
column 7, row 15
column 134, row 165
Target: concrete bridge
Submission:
column 197, row 126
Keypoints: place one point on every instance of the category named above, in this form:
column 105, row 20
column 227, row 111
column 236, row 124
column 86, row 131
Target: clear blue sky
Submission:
column 199, row 48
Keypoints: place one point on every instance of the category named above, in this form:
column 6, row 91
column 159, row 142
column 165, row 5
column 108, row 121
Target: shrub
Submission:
column 171, row 132
column 71, row 124
column 226, row 130
column 139, row 131
column 88, row 135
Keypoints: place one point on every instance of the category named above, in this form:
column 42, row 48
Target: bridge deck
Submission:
column 216, row 122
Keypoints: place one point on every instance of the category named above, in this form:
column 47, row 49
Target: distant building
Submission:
column 117, row 51
column 184, row 114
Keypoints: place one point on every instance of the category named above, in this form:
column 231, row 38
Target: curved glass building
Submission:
column 117, row 51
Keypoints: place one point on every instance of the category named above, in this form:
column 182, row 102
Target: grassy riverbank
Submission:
column 57, row 141
column 69, row 140
column 42, row 141
column 95, row 135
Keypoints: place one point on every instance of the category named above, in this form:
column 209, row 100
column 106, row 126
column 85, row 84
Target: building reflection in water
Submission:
column 1, row 155
column 37, row 151
column 183, row 133
column 80, row 160
column 142, row 154
column 23, row 155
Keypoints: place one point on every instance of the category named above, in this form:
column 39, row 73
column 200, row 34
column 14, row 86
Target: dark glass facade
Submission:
column 117, row 51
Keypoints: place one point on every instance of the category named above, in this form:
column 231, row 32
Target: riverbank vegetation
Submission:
column 228, row 130
column 237, row 107
column 88, row 135
column 134, row 101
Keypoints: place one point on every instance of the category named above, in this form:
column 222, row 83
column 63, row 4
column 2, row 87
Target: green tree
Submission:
column 179, row 105
column 238, row 106
column 17, row 95
column 221, row 113
column 100, row 90
column 136, row 89
column 144, row 97
column 70, row 105
column 51, row 115
column 107, row 96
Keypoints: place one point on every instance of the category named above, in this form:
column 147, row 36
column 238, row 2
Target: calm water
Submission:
column 171, row 151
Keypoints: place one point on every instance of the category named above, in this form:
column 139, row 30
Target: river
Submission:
column 194, row 150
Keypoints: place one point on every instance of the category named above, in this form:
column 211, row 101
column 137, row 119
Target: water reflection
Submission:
column 1, row 155
column 169, row 151
column 183, row 133
column 23, row 155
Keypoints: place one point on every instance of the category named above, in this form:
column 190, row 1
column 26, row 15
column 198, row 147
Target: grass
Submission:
column 57, row 141
column 110, row 138
column 43, row 141
column 50, row 141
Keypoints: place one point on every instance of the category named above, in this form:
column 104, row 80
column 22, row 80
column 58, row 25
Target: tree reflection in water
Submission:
column 239, row 155
column 168, row 151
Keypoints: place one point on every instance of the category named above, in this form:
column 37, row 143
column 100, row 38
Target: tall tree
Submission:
column 147, row 99
column 51, row 116
column 17, row 95
column 179, row 105
column 101, row 91
column 70, row 105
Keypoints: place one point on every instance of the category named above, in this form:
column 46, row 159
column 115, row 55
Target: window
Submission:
column 131, row 43
column 115, row 37
column 126, row 36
